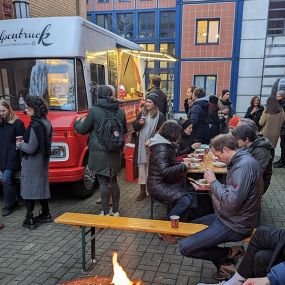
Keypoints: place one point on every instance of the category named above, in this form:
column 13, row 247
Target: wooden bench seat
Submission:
column 91, row 221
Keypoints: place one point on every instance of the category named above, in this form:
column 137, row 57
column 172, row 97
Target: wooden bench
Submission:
column 84, row 221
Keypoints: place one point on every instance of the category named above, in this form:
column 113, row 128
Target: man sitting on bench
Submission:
column 236, row 205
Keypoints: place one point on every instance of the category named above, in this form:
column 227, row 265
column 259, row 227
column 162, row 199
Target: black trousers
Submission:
column 30, row 204
column 261, row 253
column 282, row 146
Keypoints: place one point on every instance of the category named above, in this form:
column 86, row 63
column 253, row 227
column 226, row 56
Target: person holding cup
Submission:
column 10, row 128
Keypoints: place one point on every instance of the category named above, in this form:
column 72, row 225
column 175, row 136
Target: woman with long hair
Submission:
column 271, row 121
column 147, row 123
column 10, row 128
column 255, row 111
column 36, row 149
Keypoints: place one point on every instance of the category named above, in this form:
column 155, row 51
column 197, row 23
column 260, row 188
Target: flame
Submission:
column 120, row 276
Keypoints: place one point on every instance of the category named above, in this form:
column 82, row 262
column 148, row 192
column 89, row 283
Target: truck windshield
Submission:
column 52, row 79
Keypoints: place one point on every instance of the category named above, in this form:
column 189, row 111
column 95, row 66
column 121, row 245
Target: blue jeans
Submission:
column 9, row 188
column 181, row 207
column 204, row 244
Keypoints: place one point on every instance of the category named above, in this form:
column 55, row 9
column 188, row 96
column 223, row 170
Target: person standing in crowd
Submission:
column 147, row 123
column 198, row 116
column 188, row 102
column 255, row 111
column 35, row 159
column 165, row 181
column 226, row 110
column 264, row 260
column 236, row 204
column 280, row 96
column 186, row 143
column 10, row 128
column 162, row 98
column 103, row 161
column 258, row 147
column 271, row 121
column 214, row 120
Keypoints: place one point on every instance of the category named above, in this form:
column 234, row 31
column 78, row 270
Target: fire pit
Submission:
column 120, row 277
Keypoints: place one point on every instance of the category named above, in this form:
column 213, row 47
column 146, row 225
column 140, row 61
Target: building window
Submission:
column 146, row 25
column 125, row 25
column 207, row 31
column 208, row 82
column 167, row 24
column 103, row 1
column 149, row 47
column 168, row 48
column 276, row 19
column 89, row 17
column 124, row 0
column 104, row 21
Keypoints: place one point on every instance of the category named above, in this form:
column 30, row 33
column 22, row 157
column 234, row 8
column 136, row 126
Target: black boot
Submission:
column 43, row 218
column 142, row 194
column 29, row 223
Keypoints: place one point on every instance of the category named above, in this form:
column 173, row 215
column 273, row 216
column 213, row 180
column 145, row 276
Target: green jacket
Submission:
column 101, row 162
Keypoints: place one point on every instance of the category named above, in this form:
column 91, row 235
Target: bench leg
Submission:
column 151, row 208
column 93, row 245
column 83, row 248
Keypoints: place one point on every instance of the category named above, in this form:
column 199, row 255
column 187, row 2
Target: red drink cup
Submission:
column 206, row 151
column 174, row 221
column 19, row 139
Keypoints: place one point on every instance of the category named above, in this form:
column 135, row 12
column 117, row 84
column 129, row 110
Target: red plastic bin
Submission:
column 129, row 157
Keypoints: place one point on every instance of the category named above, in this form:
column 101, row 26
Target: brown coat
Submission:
column 271, row 126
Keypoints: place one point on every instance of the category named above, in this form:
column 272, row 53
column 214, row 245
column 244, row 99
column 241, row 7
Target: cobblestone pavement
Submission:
column 51, row 253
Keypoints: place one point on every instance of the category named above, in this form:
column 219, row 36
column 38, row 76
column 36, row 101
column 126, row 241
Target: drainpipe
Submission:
column 21, row 9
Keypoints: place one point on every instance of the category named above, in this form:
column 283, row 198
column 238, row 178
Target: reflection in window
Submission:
column 81, row 89
column 276, row 18
column 146, row 25
column 104, row 21
column 207, row 31
column 208, row 82
column 167, row 24
column 168, row 48
column 149, row 47
column 125, row 25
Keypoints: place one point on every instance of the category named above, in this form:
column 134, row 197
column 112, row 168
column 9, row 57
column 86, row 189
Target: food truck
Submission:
column 58, row 58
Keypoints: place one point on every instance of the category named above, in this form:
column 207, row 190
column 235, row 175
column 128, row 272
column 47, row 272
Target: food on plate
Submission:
column 195, row 159
column 219, row 164
column 203, row 182
column 195, row 165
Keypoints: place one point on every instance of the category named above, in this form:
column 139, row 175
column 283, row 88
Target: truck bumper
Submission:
column 72, row 174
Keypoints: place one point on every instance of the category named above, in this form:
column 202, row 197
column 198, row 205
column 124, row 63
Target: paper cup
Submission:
column 174, row 221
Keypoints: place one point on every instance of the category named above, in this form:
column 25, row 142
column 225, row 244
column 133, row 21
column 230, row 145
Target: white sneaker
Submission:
column 102, row 214
column 116, row 214
column 220, row 283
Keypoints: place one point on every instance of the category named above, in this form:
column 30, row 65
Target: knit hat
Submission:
column 234, row 121
column 186, row 124
column 153, row 97
column 213, row 99
column 224, row 91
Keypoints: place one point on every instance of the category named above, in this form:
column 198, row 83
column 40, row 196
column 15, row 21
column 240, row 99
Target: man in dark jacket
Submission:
column 264, row 260
column 236, row 205
column 162, row 98
column 258, row 147
column 280, row 96
column 198, row 116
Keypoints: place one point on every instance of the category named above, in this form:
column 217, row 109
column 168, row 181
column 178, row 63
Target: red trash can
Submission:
column 129, row 157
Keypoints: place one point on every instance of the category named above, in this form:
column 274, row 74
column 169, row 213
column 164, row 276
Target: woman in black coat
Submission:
column 10, row 128
column 166, row 176
column 255, row 111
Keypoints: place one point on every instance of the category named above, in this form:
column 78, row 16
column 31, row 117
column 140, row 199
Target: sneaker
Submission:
column 7, row 212
column 42, row 219
column 116, row 214
column 279, row 164
column 220, row 283
column 102, row 214
column 225, row 272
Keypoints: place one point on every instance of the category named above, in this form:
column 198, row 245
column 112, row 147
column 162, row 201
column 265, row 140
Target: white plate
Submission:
column 219, row 164
column 194, row 159
column 195, row 165
column 201, row 182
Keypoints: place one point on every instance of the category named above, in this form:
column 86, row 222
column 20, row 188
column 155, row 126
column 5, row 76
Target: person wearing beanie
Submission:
column 162, row 98
column 148, row 121
column 233, row 122
column 198, row 116
column 214, row 120
column 226, row 110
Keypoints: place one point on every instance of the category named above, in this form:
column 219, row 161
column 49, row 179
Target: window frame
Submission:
column 207, row 40
column 105, row 15
column 168, row 25
column 205, row 76
column 270, row 31
column 102, row 1
column 132, row 22
column 147, row 24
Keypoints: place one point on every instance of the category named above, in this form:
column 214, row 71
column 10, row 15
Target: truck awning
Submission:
column 151, row 55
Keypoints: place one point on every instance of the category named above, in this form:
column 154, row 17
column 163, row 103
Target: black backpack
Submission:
column 111, row 132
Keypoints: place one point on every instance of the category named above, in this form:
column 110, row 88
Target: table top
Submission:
column 208, row 163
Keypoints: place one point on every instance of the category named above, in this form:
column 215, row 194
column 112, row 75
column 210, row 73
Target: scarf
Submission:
column 146, row 133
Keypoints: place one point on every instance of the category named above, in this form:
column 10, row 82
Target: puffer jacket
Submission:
column 237, row 203
column 282, row 104
column 165, row 174
column 260, row 150
column 276, row 275
column 198, row 116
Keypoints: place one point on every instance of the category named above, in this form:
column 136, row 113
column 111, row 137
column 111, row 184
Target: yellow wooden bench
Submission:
column 91, row 221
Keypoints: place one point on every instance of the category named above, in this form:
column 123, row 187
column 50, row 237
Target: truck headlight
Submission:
column 59, row 152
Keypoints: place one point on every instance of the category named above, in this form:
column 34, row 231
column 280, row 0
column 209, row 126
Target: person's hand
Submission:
column 209, row 175
column 257, row 281
column 254, row 110
column 142, row 121
column 196, row 145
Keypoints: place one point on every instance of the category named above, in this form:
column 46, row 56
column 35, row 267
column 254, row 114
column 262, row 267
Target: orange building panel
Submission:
column 103, row 6
column 222, row 69
column 146, row 4
column 89, row 7
column 124, row 5
column 167, row 4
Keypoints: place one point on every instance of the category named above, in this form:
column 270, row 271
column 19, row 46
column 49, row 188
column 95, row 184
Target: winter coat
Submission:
column 9, row 156
column 198, row 116
column 137, row 127
column 237, row 203
column 276, row 275
column 214, row 120
column 282, row 104
column 185, row 143
column 34, row 174
column 255, row 116
column 100, row 161
column 271, row 126
column 162, row 99
column 225, row 105
column 260, row 150
column 164, row 172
